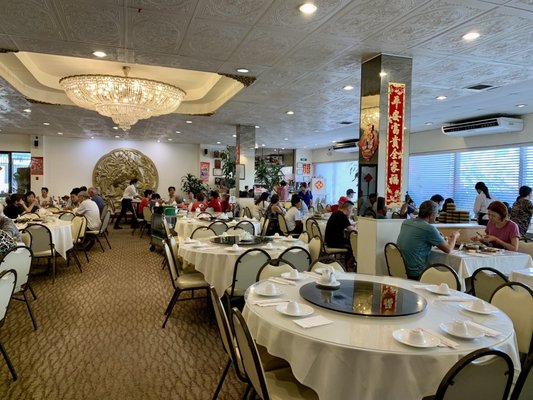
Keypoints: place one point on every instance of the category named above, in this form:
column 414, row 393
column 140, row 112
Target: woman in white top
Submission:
column 261, row 205
column 483, row 200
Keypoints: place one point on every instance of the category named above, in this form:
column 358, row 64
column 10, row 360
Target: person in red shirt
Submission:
column 200, row 203
column 145, row 201
column 215, row 203
column 226, row 206
column 342, row 200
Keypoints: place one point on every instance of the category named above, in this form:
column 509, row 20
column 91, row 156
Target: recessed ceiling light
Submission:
column 283, row 148
column 115, row 127
column 308, row 8
column 286, row 138
column 382, row 74
column 218, row 142
column 178, row 131
column 59, row 133
column 263, row 145
column 348, row 87
column 46, row 123
column 234, row 135
column 27, row 110
column 243, row 70
column 170, row 139
column 316, row 130
column 429, row 123
column 92, row 137
column 117, row 137
column 257, row 127
column 521, row 105
column 290, row 112
column 99, row 54
column 333, row 141
column 471, row 36
column 188, row 122
column 158, row 141
column 441, row 97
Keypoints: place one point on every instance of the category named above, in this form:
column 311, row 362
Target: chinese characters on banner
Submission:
column 37, row 166
column 395, row 125
column 204, row 171
column 306, row 169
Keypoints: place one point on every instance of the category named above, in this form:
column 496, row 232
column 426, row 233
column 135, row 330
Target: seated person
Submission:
column 73, row 202
column 190, row 198
column 172, row 200
column 145, row 201
column 200, row 203
column 14, row 206
column 7, row 225
column 408, row 209
column 381, row 210
column 271, row 213
column 338, row 223
column 365, row 204
column 417, row 237
column 155, row 201
column 45, row 200
column 215, row 203
column 335, row 207
column 500, row 231
column 226, row 206
column 261, row 204
column 89, row 209
column 31, row 203
column 437, row 198
column 293, row 216
column 449, row 200
column 95, row 196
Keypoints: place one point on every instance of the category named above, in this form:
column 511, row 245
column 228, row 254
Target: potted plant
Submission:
column 191, row 183
column 267, row 174
column 228, row 167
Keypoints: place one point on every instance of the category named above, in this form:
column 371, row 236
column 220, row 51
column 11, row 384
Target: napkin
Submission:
column 444, row 341
column 282, row 281
column 312, row 322
column 267, row 303
column 486, row 330
column 454, row 298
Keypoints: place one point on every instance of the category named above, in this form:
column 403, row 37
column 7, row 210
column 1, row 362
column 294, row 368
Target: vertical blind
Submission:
column 455, row 174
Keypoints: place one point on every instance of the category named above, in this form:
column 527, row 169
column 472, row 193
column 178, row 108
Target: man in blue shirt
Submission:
column 305, row 194
column 417, row 237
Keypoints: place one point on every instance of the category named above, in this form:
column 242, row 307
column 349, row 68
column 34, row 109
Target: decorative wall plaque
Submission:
column 114, row 170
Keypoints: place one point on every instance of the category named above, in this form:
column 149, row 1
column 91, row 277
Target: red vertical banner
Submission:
column 37, row 166
column 395, row 142
column 204, row 171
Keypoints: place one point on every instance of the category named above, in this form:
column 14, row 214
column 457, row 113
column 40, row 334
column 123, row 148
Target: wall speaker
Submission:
column 205, row 152
column 36, row 142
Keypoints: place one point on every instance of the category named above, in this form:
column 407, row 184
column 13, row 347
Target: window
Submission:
column 14, row 172
column 455, row 174
column 339, row 177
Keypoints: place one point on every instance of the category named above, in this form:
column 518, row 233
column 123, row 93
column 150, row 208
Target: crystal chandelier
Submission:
column 126, row 100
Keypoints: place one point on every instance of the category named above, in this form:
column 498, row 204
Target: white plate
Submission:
column 261, row 292
column 328, row 285
column 287, row 275
column 488, row 309
column 304, row 310
column 436, row 290
column 402, row 336
column 471, row 333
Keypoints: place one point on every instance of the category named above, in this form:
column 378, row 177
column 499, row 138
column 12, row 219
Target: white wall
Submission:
column 15, row 142
column 69, row 163
column 326, row 155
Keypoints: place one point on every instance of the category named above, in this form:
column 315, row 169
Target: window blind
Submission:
column 431, row 174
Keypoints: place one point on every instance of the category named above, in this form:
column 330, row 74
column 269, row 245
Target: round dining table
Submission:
column 217, row 262
column 185, row 226
column 61, row 234
column 355, row 356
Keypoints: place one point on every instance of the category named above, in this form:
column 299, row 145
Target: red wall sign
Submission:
column 37, row 166
column 395, row 136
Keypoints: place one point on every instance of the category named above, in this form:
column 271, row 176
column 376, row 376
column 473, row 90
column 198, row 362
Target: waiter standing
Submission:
column 130, row 193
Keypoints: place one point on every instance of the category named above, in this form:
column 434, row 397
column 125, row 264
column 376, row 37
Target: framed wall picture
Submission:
column 299, row 165
column 299, row 171
column 218, row 163
column 242, row 171
column 217, row 172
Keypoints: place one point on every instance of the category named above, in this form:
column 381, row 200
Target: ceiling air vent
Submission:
column 479, row 86
column 484, row 127
column 346, row 122
column 346, row 146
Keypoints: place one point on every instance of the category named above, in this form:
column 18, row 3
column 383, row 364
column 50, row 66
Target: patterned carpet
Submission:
column 100, row 335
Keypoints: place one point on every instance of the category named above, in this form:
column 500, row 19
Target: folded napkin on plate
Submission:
column 444, row 341
column 282, row 281
column 486, row 330
column 268, row 303
column 454, row 298
column 311, row 322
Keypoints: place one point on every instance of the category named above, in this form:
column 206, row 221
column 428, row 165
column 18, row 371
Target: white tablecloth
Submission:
column 356, row 357
column 523, row 275
column 61, row 235
column 465, row 263
column 185, row 226
column 217, row 262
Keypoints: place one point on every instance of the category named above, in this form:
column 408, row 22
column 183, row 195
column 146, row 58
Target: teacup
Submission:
column 478, row 305
column 268, row 246
column 459, row 327
column 276, row 235
column 416, row 336
column 235, row 246
column 295, row 274
column 444, row 288
column 293, row 307
column 270, row 288
column 328, row 277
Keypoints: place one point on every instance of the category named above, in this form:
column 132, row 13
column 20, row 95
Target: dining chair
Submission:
column 484, row 374
column 210, row 210
column 516, row 300
column 102, row 232
column 8, row 281
column 202, row 232
column 246, row 226
column 19, row 259
column 42, row 245
column 183, row 268
column 326, row 261
column 353, row 244
column 25, row 236
column 219, row 227
column 53, row 209
column 182, row 283
column 274, row 267
column 234, row 231
column 369, row 213
column 320, row 207
column 247, row 212
column 523, row 388
column 140, row 219
column 31, row 216
column 265, row 226
column 205, row 214
column 147, row 217
column 282, row 223
column 245, row 273
column 269, row 385
column 441, row 273
column 298, row 257
column 308, row 229
column 395, row 262
column 325, row 249
column 103, row 211
column 484, row 282
column 67, row 216
column 315, row 245
column 77, row 223
column 396, row 215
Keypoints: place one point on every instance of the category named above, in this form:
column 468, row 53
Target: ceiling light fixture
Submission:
column 243, row 70
column 429, row 123
column 441, row 97
column 382, row 74
column 170, row 139
column 115, row 127
column 470, row 36
column 46, row 123
column 99, row 54
column 27, row 110
column 92, row 137
column 59, row 133
column 178, row 131
column 308, row 8
column 257, row 127
column 234, row 135
column 286, row 138
column 521, row 105
column 117, row 137
column 218, row 142
column 126, row 100
column 188, row 122
column 348, row 87
column 290, row 112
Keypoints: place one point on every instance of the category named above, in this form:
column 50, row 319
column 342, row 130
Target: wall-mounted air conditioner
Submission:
column 487, row 126
column 346, row 146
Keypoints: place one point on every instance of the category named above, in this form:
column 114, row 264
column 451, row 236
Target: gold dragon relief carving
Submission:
column 114, row 170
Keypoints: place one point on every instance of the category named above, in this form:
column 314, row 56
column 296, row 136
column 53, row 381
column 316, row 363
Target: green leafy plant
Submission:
column 267, row 174
column 228, row 167
column 191, row 183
